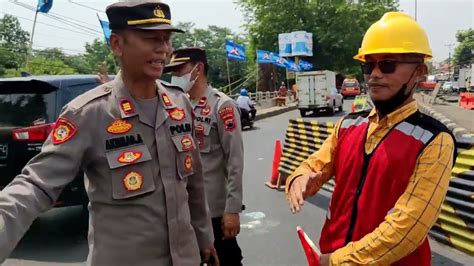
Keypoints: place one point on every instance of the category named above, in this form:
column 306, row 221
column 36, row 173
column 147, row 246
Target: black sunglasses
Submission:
column 385, row 66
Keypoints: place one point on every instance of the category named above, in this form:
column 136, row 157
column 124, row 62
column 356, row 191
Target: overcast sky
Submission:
column 440, row 18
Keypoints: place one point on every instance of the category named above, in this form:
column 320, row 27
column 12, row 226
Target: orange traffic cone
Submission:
column 276, row 163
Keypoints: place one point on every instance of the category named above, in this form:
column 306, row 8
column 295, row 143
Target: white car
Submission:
column 335, row 100
column 450, row 86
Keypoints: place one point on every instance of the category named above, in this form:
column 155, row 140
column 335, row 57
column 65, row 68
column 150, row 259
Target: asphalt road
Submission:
column 268, row 235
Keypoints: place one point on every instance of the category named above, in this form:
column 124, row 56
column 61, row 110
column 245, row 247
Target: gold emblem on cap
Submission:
column 158, row 12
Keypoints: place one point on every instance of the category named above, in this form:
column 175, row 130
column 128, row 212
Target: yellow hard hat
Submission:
column 395, row 33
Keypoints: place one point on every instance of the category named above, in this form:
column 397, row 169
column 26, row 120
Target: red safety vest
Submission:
column 368, row 185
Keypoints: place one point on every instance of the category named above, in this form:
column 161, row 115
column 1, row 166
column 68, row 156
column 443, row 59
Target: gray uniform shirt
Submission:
column 219, row 135
column 143, row 178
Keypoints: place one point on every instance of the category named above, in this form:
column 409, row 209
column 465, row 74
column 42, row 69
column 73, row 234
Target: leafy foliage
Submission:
column 463, row 54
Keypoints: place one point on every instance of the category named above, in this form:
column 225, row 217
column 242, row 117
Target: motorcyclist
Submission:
column 246, row 105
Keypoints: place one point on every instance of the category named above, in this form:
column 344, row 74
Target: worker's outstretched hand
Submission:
column 301, row 188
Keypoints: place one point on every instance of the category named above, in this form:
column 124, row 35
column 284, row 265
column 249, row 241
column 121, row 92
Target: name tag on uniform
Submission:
column 180, row 129
column 123, row 141
column 206, row 120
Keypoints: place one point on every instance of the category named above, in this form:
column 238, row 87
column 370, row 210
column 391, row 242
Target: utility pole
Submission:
column 416, row 9
column 450, row 46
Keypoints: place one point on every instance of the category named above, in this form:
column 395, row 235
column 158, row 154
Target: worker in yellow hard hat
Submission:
column 391, row 165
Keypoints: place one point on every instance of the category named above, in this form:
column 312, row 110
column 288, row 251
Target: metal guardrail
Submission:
column 258, row 96
column 455, row 224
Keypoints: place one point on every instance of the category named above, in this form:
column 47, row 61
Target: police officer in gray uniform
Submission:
column 219, row 136
column 133, row 137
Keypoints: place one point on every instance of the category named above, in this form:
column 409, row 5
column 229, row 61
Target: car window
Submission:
column 26, row 109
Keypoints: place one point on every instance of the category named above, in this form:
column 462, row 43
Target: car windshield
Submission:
column 349, row 84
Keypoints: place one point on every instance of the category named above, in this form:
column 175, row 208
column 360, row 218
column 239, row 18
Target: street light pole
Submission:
column 449, row 59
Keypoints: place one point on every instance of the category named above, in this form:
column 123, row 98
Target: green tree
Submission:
column 97, row 53
column 212, row 40
column 338, row 27
column 14, row 43
column 463, row 54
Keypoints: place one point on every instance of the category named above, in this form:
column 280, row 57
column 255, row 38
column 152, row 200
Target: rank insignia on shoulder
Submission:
column 133, row 181
column 188, row 163
column 228, row 117
column 166, row 100
column 126, row 106
column 206, row 110
column 202, row 102
column 119, row 127
column 63, row 131
column 177, row 114
column 129, row 157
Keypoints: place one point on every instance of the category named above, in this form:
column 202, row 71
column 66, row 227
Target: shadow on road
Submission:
column 320, row 201
column 59, row 235
column 439, row 259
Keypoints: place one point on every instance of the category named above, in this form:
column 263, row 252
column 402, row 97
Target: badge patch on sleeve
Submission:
column 63, row 131
column 188, row 163
column 206, row 110
column 227, row 115
column 119, row 127
column 187, row 143
column 133, row 181
column 177, row 114
column 129, row 157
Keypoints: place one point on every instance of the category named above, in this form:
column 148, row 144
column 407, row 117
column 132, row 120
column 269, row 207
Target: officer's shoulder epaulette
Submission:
column 168, row 85
column 223, row 97
column 87, row 97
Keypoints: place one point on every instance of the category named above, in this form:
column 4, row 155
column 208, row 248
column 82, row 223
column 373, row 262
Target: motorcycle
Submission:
column 247, row 118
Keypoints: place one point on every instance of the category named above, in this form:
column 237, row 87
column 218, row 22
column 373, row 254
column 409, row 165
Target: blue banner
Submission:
column 305, row 66
column 106, row 29
column 292, row 66
column 235, row 51
column 44, row 6
column 280, row 61
column 264, row 57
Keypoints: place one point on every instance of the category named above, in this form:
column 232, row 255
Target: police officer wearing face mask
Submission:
column 219, row 135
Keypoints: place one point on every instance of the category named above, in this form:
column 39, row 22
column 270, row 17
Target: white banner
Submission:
column 284, row 43
column 301, row 43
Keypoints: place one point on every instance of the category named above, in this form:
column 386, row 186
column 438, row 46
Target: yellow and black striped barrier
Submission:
column 455, row 225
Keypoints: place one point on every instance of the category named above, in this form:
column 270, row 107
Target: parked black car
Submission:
column 29, row 107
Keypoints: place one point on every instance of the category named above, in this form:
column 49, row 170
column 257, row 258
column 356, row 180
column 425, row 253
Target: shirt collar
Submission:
column 396, row 116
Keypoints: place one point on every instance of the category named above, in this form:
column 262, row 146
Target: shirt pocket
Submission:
column 131, row 172
column 184, row 159
column 203, row 136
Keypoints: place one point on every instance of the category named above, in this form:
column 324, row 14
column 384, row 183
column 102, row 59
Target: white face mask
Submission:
column 184, row 82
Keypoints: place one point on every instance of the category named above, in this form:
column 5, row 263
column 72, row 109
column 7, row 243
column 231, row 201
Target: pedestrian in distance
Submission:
column 391, row 165
column 133, row 138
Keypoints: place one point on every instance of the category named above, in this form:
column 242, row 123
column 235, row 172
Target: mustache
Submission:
column 376, row 83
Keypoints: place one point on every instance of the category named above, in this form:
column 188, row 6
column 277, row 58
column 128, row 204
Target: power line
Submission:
column 86, row 6
column 54, row 26
column 65, row 20
column 50, row 47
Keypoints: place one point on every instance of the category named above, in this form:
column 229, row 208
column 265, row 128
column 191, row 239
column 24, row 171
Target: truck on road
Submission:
column 317, row 91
